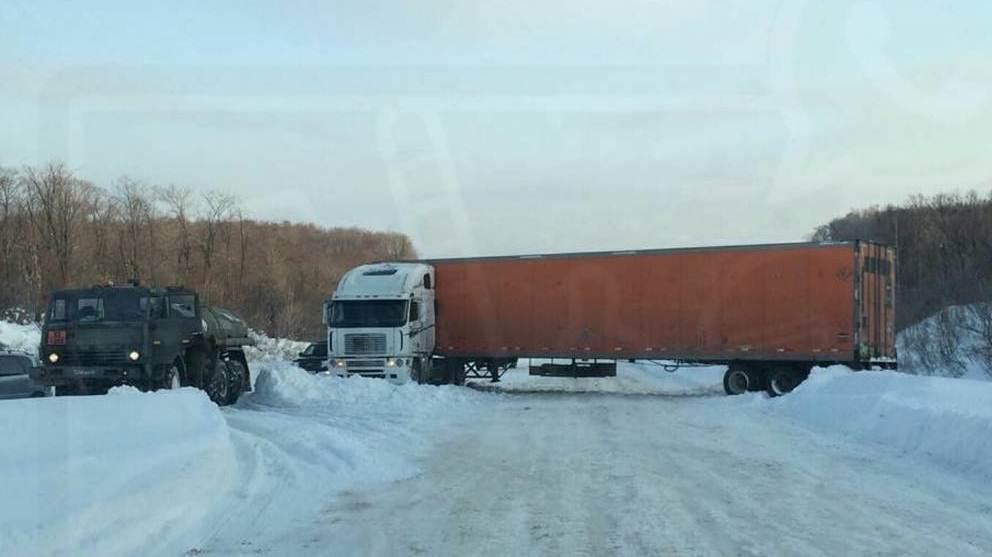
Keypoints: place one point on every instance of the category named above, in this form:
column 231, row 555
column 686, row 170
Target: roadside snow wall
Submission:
column 948, row 421
column 108, row 474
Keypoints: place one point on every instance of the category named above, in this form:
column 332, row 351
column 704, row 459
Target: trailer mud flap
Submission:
column 576, row 369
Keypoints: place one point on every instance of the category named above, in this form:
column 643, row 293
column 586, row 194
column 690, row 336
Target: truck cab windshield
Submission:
column 368, row 313
column 96, row 307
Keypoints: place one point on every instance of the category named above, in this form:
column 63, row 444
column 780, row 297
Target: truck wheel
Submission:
column 736, row 381
column 218, row 385
column 782, row 381
column 236, row 379
column 173, row 376
column 456, row 372
column 417, row 371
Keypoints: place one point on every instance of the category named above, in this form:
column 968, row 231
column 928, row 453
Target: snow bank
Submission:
column 632, row 378
column 951, row 343
column 20, row 338
column 108, row 474
column 272, row 349
column 948, row 421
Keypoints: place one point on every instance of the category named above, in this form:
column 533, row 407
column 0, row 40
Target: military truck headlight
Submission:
column 338, row 363
column 134, row 355
column 53, row 357
column 391, row 362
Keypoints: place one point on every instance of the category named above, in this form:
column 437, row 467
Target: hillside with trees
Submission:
column 58, row 230
column 944, row 278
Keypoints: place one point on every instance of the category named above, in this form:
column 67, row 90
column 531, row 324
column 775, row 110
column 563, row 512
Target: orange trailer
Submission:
column 769, row 311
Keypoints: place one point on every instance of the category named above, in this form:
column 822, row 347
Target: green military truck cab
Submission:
column 151, row 338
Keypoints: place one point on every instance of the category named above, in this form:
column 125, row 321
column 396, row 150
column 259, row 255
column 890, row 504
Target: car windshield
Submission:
column 98, row 306
column 316, row 349
column 368, row 313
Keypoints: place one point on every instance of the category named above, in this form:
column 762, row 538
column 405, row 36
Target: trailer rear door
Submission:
column 875, row 266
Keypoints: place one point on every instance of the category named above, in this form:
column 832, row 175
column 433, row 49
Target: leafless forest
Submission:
column 945, row 270
column 58, row 229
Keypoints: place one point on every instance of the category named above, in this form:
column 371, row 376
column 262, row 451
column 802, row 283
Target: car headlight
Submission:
column 134, row 355
column 53, row 357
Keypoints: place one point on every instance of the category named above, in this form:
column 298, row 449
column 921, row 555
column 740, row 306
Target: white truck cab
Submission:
column 381, row 322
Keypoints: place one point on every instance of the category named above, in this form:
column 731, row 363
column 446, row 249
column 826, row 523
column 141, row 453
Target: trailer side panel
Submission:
column 784, row 302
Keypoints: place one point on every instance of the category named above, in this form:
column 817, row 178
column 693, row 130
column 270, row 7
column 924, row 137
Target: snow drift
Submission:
column 19, row 338
column 948, row 421
column 267, row 348
column 108, row 474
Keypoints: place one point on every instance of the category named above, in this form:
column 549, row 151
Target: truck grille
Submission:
column 365, row 344
column 92, row 357
column 380, row 363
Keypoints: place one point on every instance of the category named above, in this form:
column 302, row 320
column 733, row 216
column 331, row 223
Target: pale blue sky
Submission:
column 514, row 126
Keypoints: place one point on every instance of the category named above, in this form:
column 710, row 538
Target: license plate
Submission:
column 83, row 372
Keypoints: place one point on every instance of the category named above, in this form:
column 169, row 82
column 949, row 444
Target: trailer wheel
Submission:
column 782, row 381
column 736, row 381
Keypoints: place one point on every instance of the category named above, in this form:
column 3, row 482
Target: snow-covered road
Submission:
column 651, row 475
column 646, row 463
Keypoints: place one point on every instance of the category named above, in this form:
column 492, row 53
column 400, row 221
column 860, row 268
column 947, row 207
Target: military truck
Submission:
column 151, row 338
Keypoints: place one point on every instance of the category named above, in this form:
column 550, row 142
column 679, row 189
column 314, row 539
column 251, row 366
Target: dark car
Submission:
column 15, row 381
column 314, row 358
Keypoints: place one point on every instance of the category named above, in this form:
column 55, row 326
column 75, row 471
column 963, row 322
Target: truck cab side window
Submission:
column 182, row 307
column 414, row 311
column 427, row 281
column 58, row 310
column 157, row 310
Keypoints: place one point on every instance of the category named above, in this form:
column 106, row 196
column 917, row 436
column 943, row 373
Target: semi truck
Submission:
column 768, row 312
column 151, row 338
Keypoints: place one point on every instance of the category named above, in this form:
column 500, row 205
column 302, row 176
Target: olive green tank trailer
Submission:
column 150, row 338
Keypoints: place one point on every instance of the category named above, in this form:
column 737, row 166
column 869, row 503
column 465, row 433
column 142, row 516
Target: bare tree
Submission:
column 218, row 207
column 57, row 201
column 137, row 213
column 180, row 204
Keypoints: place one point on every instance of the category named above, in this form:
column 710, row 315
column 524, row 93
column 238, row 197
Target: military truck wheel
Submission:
column 218, row 385
column 173, row 376
column 236, row 380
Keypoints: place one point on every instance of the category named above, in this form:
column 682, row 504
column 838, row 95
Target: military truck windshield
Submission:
column 99, row 306
column 368, row 313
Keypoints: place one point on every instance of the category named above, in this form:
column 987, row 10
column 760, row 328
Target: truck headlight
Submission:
column 338, row 363
column 134, row 355
column 53, row 357
column 391, row 362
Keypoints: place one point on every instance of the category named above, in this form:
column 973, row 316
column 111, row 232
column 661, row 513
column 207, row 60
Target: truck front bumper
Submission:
column 60, row 376
column 398, row 372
